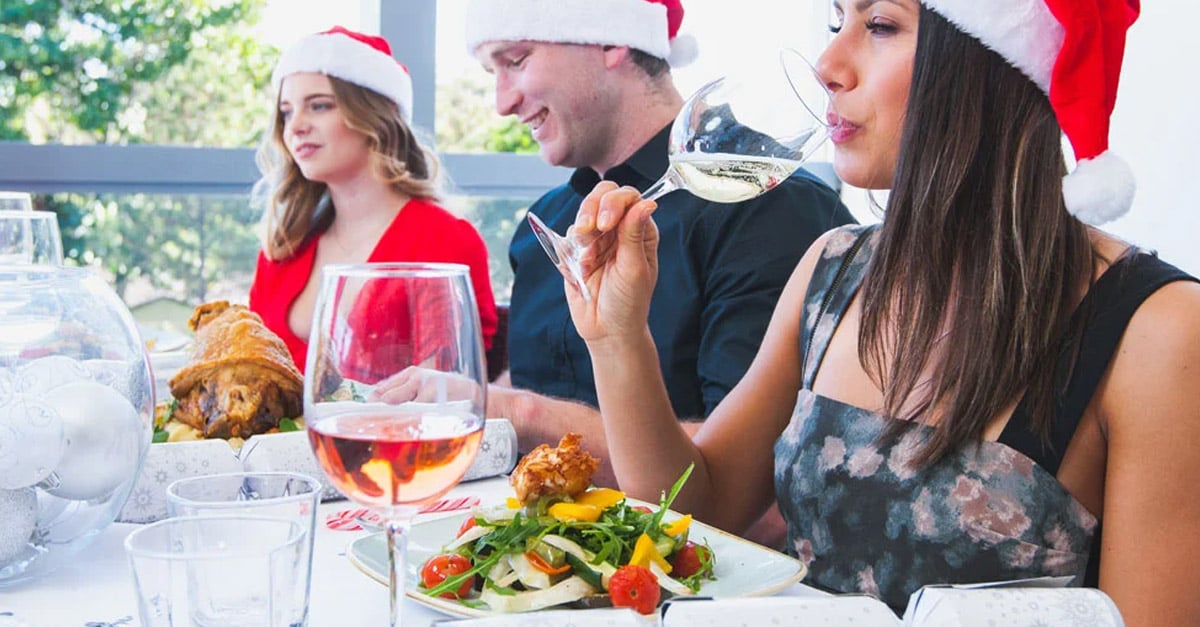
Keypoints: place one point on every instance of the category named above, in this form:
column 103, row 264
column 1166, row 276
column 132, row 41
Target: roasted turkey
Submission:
column 240, row 380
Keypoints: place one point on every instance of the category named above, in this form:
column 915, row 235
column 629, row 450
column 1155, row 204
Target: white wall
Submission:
column 1156, row 128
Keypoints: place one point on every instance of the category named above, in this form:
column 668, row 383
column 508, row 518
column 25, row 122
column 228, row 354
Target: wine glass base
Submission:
column 562, row 252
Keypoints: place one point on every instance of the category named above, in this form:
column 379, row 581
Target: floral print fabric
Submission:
column 865, row 519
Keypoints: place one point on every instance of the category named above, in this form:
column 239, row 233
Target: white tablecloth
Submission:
column 97, row 590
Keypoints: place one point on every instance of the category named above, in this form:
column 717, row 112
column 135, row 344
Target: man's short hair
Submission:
column 650, row 64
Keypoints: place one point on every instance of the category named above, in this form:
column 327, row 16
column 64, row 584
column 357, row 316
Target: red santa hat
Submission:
column 364, row 60
column 651, row 26
column 1073, row 50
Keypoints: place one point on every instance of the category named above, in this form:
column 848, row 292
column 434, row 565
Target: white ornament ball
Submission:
column 31, row 442
column 18, row 518
column 40, row 376
column 104, row 436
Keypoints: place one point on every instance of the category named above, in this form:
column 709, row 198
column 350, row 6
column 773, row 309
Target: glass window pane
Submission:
column 164, row 254
column 466, row 117
column 156, row 71
column 496, row 219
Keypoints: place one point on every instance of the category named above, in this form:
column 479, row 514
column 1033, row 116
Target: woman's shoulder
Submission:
column 838, row 242
column 828, row 251
column 1168, row 313
column 1158, row 356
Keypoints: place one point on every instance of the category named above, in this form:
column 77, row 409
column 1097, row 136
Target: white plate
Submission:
column 743, row 568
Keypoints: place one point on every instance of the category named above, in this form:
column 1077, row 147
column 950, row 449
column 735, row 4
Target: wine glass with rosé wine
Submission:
column 394, row 389
column 735, row 138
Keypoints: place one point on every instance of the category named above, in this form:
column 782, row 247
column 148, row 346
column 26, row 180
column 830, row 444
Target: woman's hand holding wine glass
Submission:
column 620, row 265
column 732, row 140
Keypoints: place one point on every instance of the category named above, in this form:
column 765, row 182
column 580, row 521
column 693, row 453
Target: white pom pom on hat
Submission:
column 1073, row 50
column 651, row 26
column 365, row 60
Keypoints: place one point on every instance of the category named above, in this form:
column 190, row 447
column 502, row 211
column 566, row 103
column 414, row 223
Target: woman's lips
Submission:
column 840, row 130
column 304, row 151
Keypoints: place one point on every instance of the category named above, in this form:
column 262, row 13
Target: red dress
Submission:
column 421, row 232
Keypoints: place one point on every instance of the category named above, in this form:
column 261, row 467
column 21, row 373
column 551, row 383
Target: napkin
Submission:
column 1025, row 603
column 286, row 452
column 497, row 452
column 957, row 606
column 166, row 462
column 290, row 452
column 809, row 611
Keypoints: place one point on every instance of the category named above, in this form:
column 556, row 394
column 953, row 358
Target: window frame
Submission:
column 411, row 26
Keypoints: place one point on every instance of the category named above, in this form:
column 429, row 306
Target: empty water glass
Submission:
column 285, row 495
column 232, row 571
column 15, row 201
column 30, row 238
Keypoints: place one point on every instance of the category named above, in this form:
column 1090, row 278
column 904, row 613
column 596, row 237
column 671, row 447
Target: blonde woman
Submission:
column 348, row 182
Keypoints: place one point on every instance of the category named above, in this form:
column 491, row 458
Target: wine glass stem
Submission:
column 397, row 543
column 665, row 185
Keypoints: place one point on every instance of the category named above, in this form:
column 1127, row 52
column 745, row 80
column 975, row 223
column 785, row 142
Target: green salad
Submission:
column 592, row 549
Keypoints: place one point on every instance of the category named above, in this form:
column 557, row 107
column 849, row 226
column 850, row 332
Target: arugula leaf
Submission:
column 160, row 419
column 287, row 424
column 654, row 527
column 501, row 541
column 610, row 539
column 707, row 572
column 160, row 436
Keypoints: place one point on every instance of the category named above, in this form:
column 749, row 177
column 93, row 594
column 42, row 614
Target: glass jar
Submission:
column 76, row 414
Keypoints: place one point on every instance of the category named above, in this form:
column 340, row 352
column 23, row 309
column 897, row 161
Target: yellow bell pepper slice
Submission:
column 512, row 503
column 574, row 512
column 645, row 552
column 678, row 526
column 603, row 498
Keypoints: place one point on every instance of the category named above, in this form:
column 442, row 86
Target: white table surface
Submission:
column 97, row 590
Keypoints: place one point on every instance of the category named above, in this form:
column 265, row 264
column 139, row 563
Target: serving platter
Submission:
column 743, row 568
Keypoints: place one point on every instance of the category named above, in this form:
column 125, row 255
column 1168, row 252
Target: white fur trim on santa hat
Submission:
column 344, row 57
column 1024, row 32
column 684, row 50
column 1100, row 189
column 635, row 23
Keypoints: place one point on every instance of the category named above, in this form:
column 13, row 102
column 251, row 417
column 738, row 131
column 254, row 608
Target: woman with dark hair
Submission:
column 346, row 181
column 974, row 389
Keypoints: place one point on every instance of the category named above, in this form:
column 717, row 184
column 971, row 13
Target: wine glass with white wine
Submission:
column 734, row 139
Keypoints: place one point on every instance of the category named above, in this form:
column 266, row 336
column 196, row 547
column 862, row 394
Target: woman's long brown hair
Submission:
column 979, row 263
column 294, row 212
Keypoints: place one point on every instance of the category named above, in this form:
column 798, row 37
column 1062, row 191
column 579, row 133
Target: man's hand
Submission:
column 425, row 385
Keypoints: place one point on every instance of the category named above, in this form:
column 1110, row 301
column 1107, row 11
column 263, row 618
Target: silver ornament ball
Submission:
column 18, row 518
column 104, row 437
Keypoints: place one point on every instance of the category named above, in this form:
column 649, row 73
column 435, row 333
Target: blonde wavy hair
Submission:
column 297, row 209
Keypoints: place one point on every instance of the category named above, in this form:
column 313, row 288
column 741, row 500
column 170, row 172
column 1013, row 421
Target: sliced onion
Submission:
column 566, row 591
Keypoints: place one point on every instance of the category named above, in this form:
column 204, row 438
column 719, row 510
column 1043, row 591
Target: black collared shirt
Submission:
column 721, row 268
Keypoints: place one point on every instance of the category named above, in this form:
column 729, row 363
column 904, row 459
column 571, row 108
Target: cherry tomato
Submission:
column 466, row 526
column 441, row 567
column 642, row 508
column 636, row 587
column 691, row 558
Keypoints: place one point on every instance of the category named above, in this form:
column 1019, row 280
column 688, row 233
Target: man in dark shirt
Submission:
column 597, row 92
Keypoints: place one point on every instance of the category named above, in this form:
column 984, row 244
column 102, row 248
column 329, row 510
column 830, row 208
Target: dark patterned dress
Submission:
column 864, row 519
